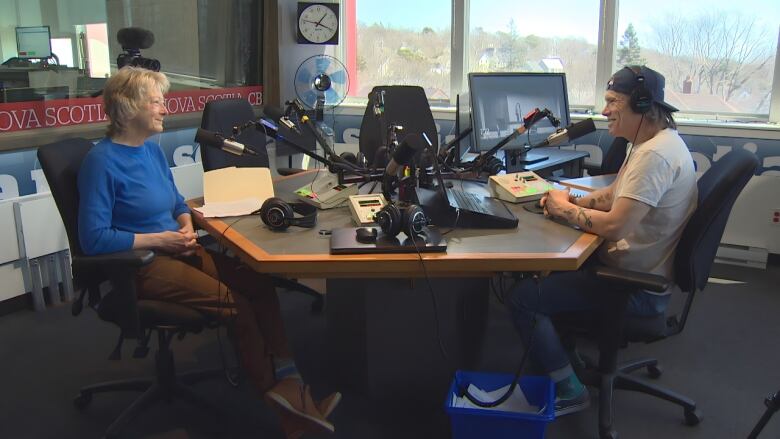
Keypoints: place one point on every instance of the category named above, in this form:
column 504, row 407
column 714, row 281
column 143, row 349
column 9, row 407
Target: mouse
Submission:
column 366, row 235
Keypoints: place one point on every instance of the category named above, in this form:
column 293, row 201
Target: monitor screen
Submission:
column 33, row 42
column 498, row 102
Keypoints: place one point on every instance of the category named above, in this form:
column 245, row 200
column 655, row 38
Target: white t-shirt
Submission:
column 659, row 173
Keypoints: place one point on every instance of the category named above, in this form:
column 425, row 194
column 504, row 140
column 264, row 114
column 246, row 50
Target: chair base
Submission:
column 620, row 379
column 164, row 386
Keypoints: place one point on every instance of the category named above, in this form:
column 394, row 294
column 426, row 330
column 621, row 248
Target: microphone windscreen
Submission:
column 273, row 113
column 210, row 138
column 412, row 144
column 581, row 128
column 381, row 158
column 135, row 38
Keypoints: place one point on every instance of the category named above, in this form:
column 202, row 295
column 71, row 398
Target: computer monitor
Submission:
column 498, row 102
column 33, row 42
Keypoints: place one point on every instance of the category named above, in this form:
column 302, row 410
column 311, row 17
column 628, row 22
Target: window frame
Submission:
column 605, row 55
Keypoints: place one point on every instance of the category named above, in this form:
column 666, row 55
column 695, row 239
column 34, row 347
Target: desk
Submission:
column 380, row 319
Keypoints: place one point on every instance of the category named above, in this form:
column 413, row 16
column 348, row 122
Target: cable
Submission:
column 437, row 328
column 232, row 381
column 463, row 390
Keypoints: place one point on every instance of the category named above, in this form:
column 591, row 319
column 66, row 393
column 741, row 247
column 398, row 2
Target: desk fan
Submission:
column 321, row 81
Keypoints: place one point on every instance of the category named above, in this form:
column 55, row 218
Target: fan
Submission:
column 321, row 81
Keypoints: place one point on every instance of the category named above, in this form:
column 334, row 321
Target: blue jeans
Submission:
column 574, row 291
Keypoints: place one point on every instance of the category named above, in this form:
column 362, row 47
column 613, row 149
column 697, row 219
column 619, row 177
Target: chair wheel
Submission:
column 693, row 417
column 654, row 371
column 82, row 400
column 608, row 434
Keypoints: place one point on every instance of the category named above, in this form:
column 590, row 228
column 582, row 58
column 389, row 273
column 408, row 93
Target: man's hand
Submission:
column 555, row 201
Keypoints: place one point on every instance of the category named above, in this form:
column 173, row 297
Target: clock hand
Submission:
column 326, row 27
column 318, row 24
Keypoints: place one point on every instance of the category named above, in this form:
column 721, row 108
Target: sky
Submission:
column 577, row 18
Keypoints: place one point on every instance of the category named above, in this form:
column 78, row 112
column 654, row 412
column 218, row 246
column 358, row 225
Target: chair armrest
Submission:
column 638, row 279
column 120, row 305
column 130, row 258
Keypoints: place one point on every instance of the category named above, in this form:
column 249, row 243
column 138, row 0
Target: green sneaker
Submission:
column 565, row 406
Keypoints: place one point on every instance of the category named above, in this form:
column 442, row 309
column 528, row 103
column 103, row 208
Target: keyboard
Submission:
column 468, row 201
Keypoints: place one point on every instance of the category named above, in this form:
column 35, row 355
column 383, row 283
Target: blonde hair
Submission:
column 125, row 92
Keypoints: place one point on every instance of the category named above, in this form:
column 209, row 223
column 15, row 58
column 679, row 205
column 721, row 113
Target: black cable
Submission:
column 463, row 390
column 437, row 328
column 223, row 248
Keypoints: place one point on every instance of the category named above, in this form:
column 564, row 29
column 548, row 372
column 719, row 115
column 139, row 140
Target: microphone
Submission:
column 529, row 120
column 216, row 140
column 571, row 132
column 278, row 115
column 135, row 38
column 412, row 144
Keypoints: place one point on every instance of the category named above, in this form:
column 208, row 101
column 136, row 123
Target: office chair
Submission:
column 695, row 254
column 613, row 159
column 221, row 116
column 404, row 105
column 136, row 318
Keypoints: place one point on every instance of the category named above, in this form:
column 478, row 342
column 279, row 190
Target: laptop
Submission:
column 448, row 207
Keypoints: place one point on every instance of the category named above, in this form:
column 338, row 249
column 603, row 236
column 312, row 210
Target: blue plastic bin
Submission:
column 470, row 423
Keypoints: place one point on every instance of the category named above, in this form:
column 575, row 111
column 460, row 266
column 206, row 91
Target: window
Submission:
column 397, row 47
column 717, row 57
column 58, row 62
column 512, row 36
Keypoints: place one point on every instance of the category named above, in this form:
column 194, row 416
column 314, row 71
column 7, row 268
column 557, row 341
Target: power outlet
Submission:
column 775, row 216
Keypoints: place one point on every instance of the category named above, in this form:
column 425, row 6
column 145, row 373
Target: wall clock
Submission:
column 318, row 23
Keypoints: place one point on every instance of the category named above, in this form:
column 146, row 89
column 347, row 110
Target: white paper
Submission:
column 516, row 402
column 245, row 206
column 237, row 184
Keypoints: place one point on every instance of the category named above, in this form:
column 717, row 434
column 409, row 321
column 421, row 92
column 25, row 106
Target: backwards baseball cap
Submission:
column 625, row 81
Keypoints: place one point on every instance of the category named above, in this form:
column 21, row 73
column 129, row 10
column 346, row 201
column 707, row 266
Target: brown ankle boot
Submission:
column 298, row 412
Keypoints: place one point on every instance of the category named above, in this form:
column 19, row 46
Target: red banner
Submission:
column 30, row 115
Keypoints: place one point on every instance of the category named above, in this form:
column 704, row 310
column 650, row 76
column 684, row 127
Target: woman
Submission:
column 128, row 200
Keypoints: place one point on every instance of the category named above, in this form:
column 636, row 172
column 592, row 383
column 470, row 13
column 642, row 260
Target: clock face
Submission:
column 318, row 23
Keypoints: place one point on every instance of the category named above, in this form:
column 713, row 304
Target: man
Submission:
column 641, row 216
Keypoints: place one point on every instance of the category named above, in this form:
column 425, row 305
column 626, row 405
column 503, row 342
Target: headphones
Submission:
column 641, row 100
column 409, row 219
column 356, row 159
column 279, row 214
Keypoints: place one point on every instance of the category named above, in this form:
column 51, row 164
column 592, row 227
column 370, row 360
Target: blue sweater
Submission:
column 125, row 190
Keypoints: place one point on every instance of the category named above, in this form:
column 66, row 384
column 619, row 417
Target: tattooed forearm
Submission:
column 583, row 216
column 592, row 203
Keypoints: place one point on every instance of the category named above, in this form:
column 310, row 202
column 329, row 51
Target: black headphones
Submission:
column 641, row 100
column 279, row 214
column 409, row 219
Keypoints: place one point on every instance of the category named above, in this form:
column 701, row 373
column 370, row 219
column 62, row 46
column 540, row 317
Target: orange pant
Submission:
column 220, row 286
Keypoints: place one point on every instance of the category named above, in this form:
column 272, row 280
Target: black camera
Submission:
column 132, row 57
column 133, row 39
